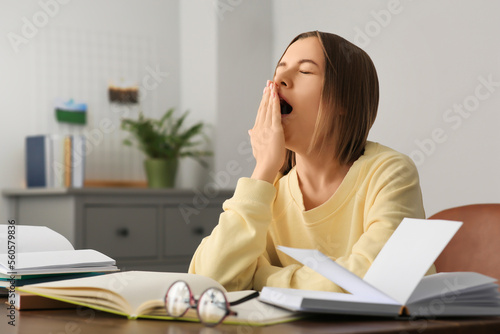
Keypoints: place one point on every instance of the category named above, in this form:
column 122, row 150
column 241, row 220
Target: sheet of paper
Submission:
column 268, row 293
column 325, row 266
column 255, row 310
column 33, row 239
column 408, row 254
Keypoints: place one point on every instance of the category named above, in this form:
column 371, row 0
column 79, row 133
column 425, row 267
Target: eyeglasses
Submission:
column 212, row 307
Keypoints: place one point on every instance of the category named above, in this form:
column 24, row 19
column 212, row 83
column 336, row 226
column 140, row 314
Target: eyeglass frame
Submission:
column 194, row 303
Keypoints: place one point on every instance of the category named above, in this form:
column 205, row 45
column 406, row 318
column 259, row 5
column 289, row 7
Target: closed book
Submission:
column 67, row 162
column 57, row 161
column 36, row 162
column 78, row 160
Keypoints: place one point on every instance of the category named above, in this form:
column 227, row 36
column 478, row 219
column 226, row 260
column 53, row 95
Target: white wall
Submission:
column 430, row 56
column 244, row 64
column 225, row 61
column 198, row 81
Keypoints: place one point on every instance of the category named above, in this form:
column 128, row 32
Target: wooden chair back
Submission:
column 476, row 246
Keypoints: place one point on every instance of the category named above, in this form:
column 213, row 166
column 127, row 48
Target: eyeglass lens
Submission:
column 212, row 307
column 178, row 299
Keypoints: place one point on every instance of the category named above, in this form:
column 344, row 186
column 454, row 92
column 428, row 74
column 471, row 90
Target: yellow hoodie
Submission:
column 381, row 188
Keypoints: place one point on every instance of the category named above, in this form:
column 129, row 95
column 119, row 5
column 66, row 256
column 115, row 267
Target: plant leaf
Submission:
column 165, row 137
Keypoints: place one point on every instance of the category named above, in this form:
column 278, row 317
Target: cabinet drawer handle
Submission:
column 122, row 232
column 198, row 230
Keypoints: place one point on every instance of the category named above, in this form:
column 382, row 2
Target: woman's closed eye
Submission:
column 305, row 72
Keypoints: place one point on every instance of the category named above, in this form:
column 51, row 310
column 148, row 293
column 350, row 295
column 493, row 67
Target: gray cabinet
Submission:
column 180, row 237
column 122, row 232
column 142, row 229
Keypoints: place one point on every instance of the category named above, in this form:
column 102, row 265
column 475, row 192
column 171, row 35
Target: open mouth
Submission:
column 285, row 107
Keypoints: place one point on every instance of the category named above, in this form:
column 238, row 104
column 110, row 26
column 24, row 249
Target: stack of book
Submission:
column 55, row 161
column 37, row 254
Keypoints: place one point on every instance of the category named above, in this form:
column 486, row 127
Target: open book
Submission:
column 140, row 294
column 38, row 250
column 395, row 284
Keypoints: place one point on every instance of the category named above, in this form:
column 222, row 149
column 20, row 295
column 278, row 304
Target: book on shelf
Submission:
column 395, row 284
column 37, row 161
column 140, row 294
column 41, row 254
column 78, row 161
column 55, row 161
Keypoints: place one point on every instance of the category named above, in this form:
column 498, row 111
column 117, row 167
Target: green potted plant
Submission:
column 164, row 141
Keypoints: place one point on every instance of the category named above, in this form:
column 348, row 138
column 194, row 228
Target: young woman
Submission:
column 317, row 183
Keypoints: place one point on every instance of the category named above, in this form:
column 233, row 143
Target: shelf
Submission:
column 16, row 192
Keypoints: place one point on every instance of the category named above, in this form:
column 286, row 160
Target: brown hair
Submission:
column 349, row 99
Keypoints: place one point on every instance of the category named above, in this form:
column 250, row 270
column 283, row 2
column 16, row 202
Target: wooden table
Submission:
column 84, row 320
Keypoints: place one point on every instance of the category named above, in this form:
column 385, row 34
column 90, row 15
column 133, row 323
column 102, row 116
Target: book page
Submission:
column 325, row 266
column 408, row 254
column 254, row 312
column 46, row 261
column 451, row 286
column 33, row 239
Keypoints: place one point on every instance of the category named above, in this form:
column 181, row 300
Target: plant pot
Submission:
column 161, row 172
